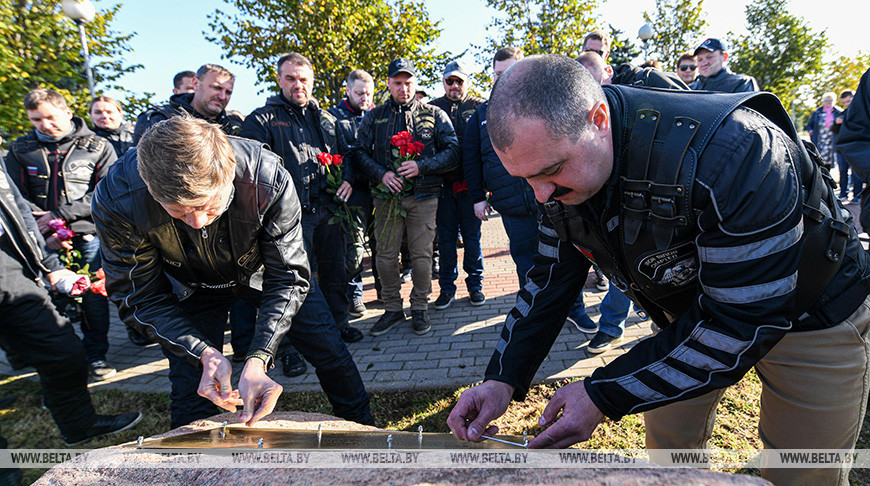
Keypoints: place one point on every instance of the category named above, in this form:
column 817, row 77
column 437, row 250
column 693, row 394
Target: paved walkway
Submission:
column 455, row 353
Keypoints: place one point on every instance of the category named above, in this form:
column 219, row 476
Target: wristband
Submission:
column 262, row 356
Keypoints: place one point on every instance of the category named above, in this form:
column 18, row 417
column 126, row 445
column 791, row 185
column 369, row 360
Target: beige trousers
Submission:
column 814, row 395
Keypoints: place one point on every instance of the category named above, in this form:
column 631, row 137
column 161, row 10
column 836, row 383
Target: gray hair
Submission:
column 552, row 88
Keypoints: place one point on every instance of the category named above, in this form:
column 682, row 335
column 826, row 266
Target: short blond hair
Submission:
column 185, row 160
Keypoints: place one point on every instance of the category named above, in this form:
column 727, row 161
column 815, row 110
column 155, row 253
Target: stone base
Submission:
column 367, row 476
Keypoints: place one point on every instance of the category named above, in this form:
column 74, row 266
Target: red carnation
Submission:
column 415, row 148
column 56, row 224
column 337, row 160
column 64, row 234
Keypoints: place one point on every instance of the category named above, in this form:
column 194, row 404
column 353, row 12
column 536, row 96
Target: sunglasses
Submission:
column 688, row 67
column 598, row 51
column 452, row 81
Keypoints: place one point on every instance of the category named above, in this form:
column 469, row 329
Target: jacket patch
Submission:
column 466, row 115
column 585, row 252
column 381, row 120
column 675, row 266
column 426, row 133
column 172, row 262
column 328, row 126
column 32, row 170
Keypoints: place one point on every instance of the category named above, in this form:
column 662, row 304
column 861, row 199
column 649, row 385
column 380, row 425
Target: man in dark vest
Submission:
column 749, row 263
column 56, row 167
column 455, row 208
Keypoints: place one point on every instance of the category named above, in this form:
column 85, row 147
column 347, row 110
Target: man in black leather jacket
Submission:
column 193, row 221
column 628, row 75
column 33, row 329
column 418, row 181
column 714, row 75
column 212, row 91
column 56, row 167
column 294, row 126
column 672, row 194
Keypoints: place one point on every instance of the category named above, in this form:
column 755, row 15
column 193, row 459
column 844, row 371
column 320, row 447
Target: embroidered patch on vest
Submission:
column 426, row 133
column 674, row 266
column 585, row 252
column 328, row 126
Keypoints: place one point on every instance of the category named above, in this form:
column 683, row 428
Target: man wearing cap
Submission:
column 430, row 126
column 455, row 209
column 713, row 75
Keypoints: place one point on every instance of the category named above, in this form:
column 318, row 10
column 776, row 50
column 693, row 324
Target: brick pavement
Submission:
column 455, row 353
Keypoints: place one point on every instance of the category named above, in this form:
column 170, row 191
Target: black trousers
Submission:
column 31, row 327
column 313, row 333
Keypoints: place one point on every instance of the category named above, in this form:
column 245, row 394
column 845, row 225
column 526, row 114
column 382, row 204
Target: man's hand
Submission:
column 392, row 182
column 259, row 392
column 42, row 219
column 482, row 210
column 56, row 244
column 215, row 383
column 409, row 168
column 58, row 275
column 477, row 407
column 344, row 191
column 579, row 418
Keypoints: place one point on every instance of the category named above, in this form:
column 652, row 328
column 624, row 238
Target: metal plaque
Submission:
column 245, row 437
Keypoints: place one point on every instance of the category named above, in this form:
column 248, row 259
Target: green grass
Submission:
column 27, row 425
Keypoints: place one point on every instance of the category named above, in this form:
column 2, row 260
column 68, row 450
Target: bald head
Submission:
column 596, row 66
column 554, row 89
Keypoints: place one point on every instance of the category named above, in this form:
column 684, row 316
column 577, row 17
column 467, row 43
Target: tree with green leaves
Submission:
column 780, row 49
column 40, row 47
column 622, row 50
column 336, row 35
column 541, row 26
column 677, row 27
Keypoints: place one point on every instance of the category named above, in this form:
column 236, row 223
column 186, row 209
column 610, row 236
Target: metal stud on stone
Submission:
column 224, row 430
column 319, row 434
column 139, row 440
column 260, row 443
column 390, row 441
column 420, row 435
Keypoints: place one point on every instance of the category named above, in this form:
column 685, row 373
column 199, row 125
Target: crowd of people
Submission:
column 199, row 217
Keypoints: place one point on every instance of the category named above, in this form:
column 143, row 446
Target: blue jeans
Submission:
column 312, row 333
column 844, row 169
column 95, row 307
column 614, row 310
column 455, row 214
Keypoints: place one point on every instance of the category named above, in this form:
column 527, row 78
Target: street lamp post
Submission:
column 645, row 33
column 82, row 12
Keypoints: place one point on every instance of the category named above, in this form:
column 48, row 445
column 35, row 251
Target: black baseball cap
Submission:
column 401, row 65
column 712, row 45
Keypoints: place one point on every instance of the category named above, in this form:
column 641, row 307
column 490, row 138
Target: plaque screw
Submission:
column 260, row 443
column 420, row 435
column 224, row 430
column 390, row 441
column 139, row 440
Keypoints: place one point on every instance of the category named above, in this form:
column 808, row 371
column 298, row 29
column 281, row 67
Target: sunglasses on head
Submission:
column 598, row 51
column 688, row 67
column 451, row 81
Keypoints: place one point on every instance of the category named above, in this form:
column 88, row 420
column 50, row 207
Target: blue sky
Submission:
column 169, row 34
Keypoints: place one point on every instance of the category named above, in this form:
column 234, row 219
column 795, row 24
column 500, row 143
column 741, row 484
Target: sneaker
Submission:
column 602, row 342
column 387, row 322
column 357, row 307
column 292, row 363
column 584, row 324
column 476, row 297
column 106, row 425
column 420, row 322
column 100, row 370
column 406, row 275
column 350, row 334
column 443, row 301
column 600, row 281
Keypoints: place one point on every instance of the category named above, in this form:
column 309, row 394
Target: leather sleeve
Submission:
column 286, row 276
column 472, row 161
column 16, row 173
column 255, row 128
column 146, row 120
column 43, row 254
column 80, row 209
column 447, row 155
